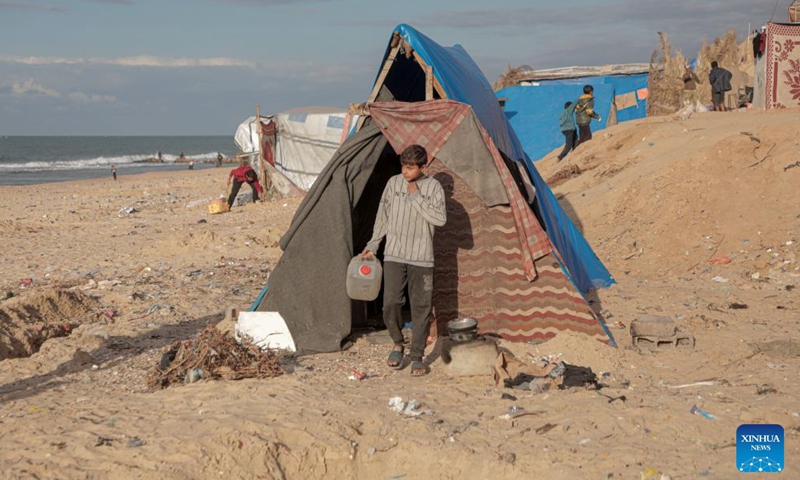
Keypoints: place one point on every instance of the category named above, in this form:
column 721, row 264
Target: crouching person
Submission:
column 243, row 174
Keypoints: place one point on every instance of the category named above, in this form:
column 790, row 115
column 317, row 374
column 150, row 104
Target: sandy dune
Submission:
column 660, row 200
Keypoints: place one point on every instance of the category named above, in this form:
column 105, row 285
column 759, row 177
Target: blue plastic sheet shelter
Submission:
column 459, row 78
column 533, row 110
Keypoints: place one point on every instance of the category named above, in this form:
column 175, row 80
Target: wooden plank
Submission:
column 436, row 85
column 428, row 82
column 387, row 65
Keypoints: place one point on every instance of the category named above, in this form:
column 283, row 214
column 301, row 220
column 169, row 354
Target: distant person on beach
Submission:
column 159, row 156
column 181, row 156
column 566, row 122
column 239, row 176
column 191, row 164
column 411, row 206
column 720, row 80
column 584, row 113
column 690, row 82
column 219, row 159
column 114, row 172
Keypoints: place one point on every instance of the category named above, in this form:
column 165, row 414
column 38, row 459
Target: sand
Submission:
column 658, row 199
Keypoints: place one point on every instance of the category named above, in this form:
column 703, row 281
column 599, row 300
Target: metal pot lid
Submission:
column 465, row 323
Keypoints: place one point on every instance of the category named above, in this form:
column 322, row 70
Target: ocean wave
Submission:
column 122, row 161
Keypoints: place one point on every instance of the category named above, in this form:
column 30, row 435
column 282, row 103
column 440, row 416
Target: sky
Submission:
column 200, row 67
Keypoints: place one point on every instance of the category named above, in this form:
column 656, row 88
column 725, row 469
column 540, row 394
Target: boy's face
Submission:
column 412, row 172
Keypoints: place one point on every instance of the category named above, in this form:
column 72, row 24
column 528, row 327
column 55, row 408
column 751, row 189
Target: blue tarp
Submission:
column 533, row 110
column 463, row 81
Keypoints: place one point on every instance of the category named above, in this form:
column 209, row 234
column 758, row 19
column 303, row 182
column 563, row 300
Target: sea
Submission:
column 28, row 160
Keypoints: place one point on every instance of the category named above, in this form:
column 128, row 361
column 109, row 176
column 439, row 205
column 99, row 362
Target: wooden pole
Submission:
column 262, row 174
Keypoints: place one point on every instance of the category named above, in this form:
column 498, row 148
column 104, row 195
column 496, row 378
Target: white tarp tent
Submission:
column 305, row 140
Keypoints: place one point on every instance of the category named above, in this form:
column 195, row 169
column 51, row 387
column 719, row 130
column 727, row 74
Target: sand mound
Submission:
column 573, row 348
column 685, row 191
column 27, row 321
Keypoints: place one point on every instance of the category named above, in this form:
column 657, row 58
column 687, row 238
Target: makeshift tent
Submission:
column 777, row 78
column 414, row 69
column 533, row 106
column 494, row 261
column 302, row 141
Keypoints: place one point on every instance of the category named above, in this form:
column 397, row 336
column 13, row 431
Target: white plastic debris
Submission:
column 268, row 330
column 396, row 404
column 410, row 409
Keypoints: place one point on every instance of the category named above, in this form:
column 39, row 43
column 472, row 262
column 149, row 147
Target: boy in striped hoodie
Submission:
column 411, row 206
column 584, row 113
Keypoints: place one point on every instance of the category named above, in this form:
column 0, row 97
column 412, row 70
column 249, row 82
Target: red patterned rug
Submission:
column 783, row 66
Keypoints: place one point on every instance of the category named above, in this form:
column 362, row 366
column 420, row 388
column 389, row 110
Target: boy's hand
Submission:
column 366, row 254
column 412, row 187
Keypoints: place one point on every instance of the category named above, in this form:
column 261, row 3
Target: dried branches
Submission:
column 218, row 355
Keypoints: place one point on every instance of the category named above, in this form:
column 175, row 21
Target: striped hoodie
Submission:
column 407, row 221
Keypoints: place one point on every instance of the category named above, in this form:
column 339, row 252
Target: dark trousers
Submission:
column 420, row 291
column 571, row 137
column 235, row 191
column 585, row 134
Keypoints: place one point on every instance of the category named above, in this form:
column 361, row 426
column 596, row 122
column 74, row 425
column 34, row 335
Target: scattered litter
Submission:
column 393, row 476
column 103, row 442
column 357, row 375
column 584, row 441
column 611, row 399
column 511, row 416
column 649, row 473
column 755, row 276
column 545, row 428
column 791, row 165
column 515, row 409
column 194, row 273
column 620, row 325
column 134, row 442
column 766, row 390
column 397, row 405
column 720, row 260
column 738, row 306
column 126, row 210
column 720, row 279
column 507, row 396
column 708, row 383
column 193, row 375
column 776, row 365
column 696, row 411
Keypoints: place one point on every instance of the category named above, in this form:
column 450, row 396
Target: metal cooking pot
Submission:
column 463, row 329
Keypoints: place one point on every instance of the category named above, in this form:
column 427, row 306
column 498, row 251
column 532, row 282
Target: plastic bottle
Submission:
column 364, row 278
